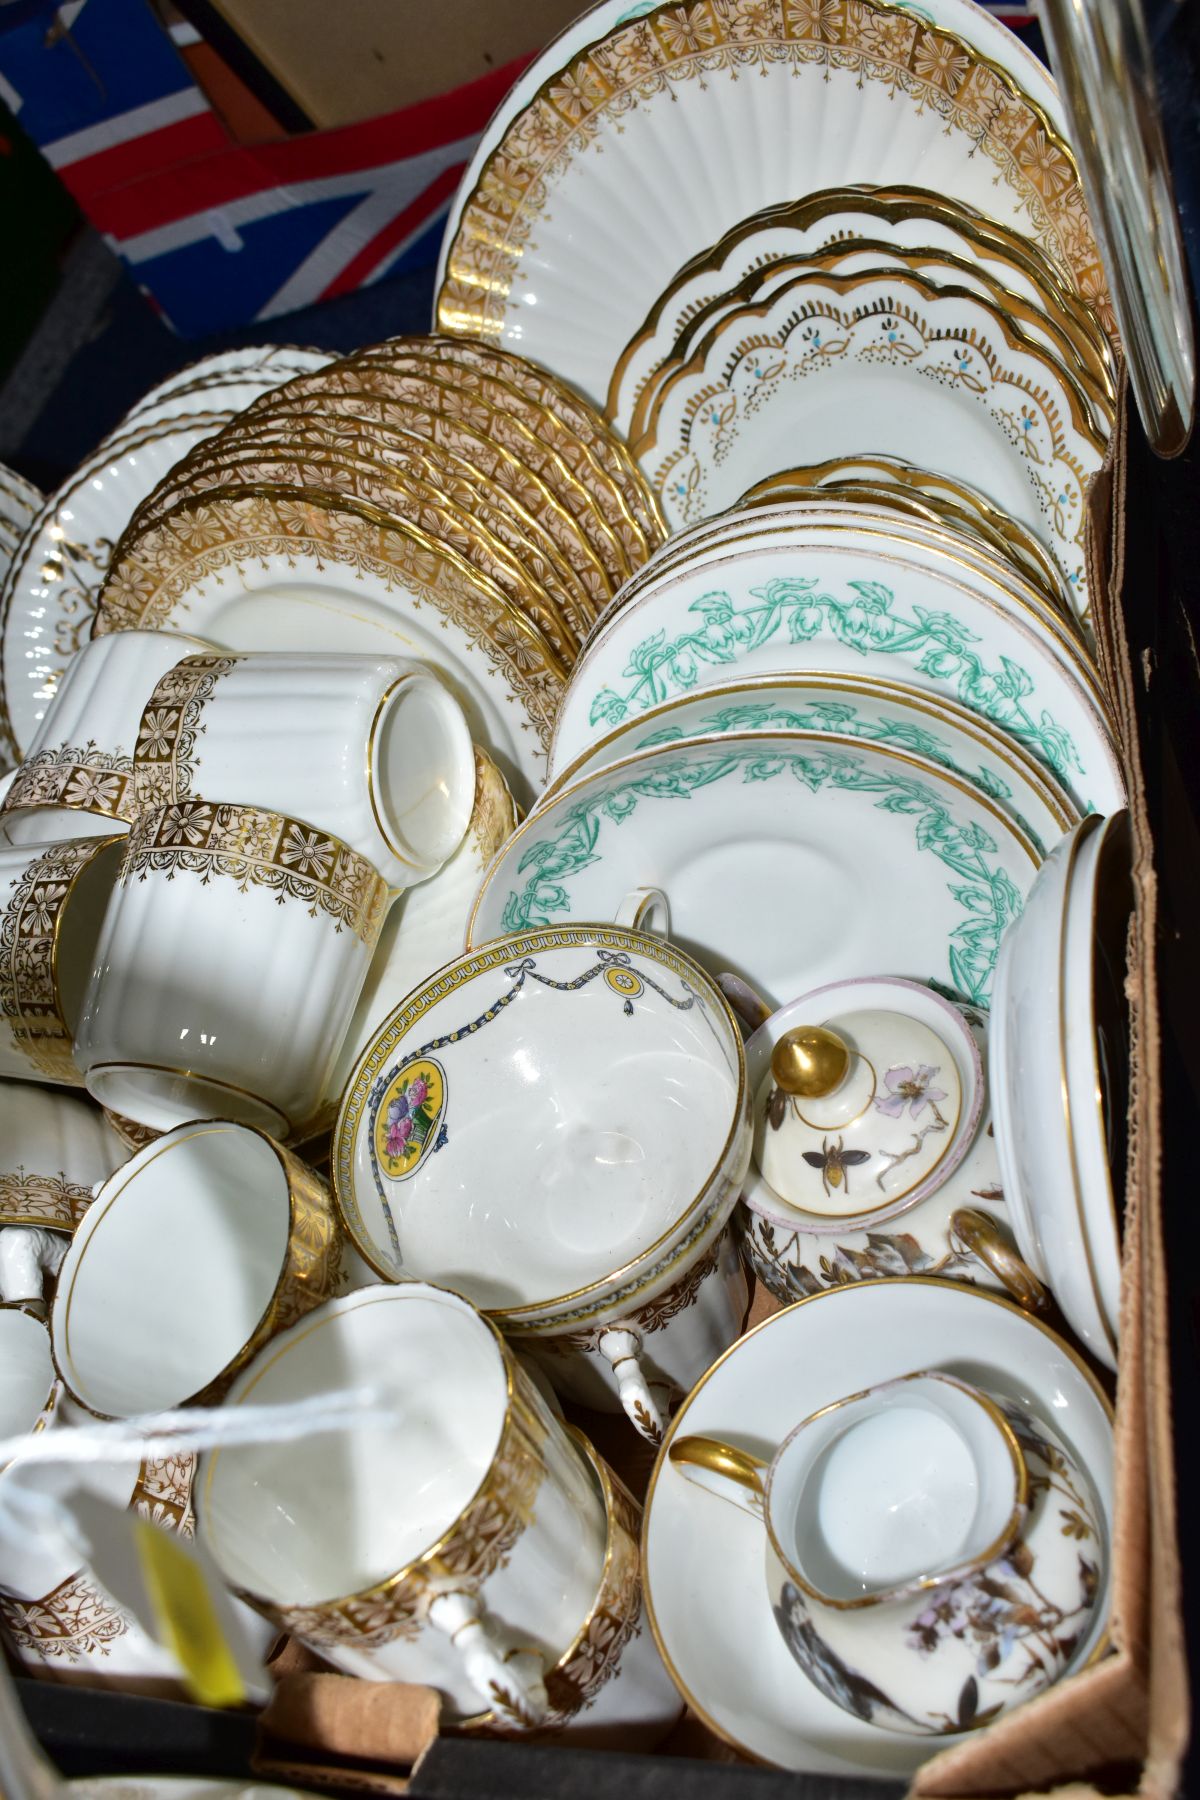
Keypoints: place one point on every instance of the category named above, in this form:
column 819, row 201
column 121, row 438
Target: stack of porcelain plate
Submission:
column 49, row 589
column 428, row 495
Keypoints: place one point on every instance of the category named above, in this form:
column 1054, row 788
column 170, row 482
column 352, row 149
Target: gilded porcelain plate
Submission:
column 703, row 1559
column 786, row 596
column 707, row 117
column 869, row 710
column 834, row 365
column 788, row 858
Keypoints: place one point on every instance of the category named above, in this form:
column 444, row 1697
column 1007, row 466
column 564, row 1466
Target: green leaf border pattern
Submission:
column 988, row 896
column 660, row 668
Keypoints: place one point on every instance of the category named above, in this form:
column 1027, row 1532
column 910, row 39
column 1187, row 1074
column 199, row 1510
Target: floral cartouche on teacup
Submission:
column 933, row 1553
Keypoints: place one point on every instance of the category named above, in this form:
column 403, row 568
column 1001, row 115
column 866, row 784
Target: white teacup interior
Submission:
column 324, row 1516
column 422, row 770
column 26, row 1371
column 79, row 932
column 911, row 1480
column 578, row 1134
column 172, row 1270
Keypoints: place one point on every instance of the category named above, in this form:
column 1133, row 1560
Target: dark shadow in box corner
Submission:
column 1162, row 620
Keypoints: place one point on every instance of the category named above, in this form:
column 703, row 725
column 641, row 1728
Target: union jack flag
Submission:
column 217, row 233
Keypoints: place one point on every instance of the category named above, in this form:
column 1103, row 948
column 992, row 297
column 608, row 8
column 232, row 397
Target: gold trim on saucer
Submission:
column 976, row 1295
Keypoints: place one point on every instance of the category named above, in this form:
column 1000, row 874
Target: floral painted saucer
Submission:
column 703, row 1563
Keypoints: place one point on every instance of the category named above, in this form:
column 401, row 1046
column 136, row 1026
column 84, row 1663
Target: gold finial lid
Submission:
column 810, row 1061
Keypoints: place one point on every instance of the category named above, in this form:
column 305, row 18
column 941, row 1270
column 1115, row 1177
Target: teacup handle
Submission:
column 731, row 1474
column 512, row 1685
column 620, row 1346
column 28, row 1253
column 645, row 909
column 749, row 1005
column 978, row 1234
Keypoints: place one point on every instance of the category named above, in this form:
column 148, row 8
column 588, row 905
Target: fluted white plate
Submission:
column 638, row 138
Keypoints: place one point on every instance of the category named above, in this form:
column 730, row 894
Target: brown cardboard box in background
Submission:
column 345, row 60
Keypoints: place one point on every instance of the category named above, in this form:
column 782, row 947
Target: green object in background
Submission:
column 38, row 217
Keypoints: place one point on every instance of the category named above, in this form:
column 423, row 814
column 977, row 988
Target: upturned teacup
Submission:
column 933, row 1553
column 371, row 749
column 77, row 777
column 58, row 1146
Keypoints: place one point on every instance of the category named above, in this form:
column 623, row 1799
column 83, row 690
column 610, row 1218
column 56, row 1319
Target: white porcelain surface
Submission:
column 868, row 708
column 703, row 1561
column 1043, row 1033
column 302, row 601
column 299, row 1523
column 52, row 906
column 892, row 1516
column 426, row 926
column 829, row 366
column 178, row 1265
column 546, row 1117
column 28, row 1372
column 905, row 219
column 62, row 1621
column 789, row 600
column 57, row 1146
column 587, row 265
column 910, row 1102
column 225, row 998
column 262, row 365
column 372, row 749
column 769, row 848
column 82, row 751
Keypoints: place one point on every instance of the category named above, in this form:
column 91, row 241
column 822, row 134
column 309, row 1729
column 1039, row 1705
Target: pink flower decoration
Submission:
column 398, row 1136
column 417, row 1091
column 908, row 1087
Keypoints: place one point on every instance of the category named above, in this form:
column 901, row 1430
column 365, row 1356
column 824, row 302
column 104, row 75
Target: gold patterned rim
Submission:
column 134, row 440
column 1006, row 749
column 396, row 393
column 307, row 1272
column 613, row 1596
column 921, row 1583
column 1092, row 823
column 633, row 502
column 295, row 463
column 1085, row 416
column 31, row 1000
column 571, row 411
column 458, row 973
column 613, row 539
column 722, row 548
column 1091, row 387
column 445, row 468
column 878, row 473
column 979, row 1295
column 49, row 1201
column 481, row 258
column 522, row 1431
column 895, row 206
column 395, row 553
